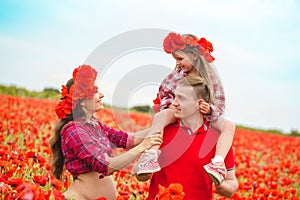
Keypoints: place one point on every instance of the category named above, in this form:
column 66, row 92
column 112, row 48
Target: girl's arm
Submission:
column 160, row 120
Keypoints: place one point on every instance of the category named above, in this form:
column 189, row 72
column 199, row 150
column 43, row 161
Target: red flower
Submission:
column 209, row 47
column 60, row 111
column 205, row 48
column 172, row 42
column 14, row 182
column 163, row 193
column 64, row 108
column 173, row 192
column 192, row 41
column 41, row 180
column 64, row 91
column 202, row 45
column 208, row 57
column 175, row 41
column 83, row 88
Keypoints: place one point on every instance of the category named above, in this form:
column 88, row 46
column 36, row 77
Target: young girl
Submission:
column 81, row 143
column 193, row 58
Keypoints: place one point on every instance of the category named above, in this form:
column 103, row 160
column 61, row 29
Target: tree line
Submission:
column 47, row 93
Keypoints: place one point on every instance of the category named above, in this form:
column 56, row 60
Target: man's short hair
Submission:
column 199, row 86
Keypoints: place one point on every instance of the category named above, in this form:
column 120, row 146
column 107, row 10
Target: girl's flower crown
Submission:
column 83, row 87
column 176, row 41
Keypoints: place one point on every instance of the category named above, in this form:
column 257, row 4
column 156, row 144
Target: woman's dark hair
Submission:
column 58, row 159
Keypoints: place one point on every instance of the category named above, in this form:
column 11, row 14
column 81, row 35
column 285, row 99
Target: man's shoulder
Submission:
column 213, row 130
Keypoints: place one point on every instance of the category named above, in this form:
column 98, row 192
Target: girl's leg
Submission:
column 224, row 143
column 148, row 163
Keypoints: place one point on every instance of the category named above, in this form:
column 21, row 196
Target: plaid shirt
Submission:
column 168, row 86
column 87, row 146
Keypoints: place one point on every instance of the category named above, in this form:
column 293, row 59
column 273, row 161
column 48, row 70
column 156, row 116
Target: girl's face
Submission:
column 94, row 104
column 185, row 61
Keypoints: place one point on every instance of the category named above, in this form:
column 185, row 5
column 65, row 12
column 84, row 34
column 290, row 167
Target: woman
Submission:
column 82, row 144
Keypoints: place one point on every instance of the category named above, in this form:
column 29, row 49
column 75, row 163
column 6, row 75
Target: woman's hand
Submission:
column 152, row 140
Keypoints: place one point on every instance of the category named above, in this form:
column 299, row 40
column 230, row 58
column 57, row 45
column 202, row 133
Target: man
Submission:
column 189, row 144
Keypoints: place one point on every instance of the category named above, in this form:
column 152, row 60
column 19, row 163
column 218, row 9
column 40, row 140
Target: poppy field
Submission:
column 267, row 165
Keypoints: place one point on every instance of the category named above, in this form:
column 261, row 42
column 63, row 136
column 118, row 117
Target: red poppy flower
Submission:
column 175, row 41
column 172, row 42
column 41, row 180
column 209, row 47
column 14, row 182
column 173, row 192
column 208, row 57
column 202, row 45
column 178, row 42
column 83, row 88
column 192, row 41
column 167, row 44
column 64, row 91
column 60, row 111
column 163, row 193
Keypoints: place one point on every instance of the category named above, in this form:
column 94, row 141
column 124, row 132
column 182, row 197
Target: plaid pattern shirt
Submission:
column 168, row 86
column 88, row 146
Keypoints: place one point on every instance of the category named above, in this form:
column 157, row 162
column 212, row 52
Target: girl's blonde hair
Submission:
column 204, row 69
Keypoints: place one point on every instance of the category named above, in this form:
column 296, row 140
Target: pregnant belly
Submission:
column 89, row 186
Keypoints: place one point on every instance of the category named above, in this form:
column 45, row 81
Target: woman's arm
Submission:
column 121, row 161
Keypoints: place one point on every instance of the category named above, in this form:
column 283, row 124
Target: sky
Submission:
column 256, row 46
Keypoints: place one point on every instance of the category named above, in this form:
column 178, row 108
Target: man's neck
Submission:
column 194, row 123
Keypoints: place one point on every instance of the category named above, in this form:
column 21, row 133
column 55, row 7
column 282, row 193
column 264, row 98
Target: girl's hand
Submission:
column 204, row 107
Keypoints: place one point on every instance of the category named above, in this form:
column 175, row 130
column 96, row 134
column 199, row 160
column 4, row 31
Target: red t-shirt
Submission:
column 183, row 155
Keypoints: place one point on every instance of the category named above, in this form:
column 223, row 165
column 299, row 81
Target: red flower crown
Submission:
column 175, row 41
column 84, row 78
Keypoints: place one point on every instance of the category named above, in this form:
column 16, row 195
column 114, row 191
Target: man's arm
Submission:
column 229, row 186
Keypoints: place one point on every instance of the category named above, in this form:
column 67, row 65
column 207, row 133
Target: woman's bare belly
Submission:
column 89, row 187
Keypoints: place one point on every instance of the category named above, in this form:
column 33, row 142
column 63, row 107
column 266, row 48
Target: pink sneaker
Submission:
column 214, row 175
column 147, row 164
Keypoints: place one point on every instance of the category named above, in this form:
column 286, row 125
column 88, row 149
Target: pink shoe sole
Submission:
column 213, row 174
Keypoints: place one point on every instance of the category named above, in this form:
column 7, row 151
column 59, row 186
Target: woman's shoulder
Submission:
column 72, row 127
